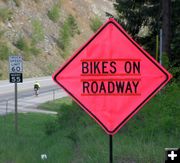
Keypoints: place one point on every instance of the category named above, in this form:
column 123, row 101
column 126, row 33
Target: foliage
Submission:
column 4, row 51
column 95, row 23
column 64, row 37
column 78, row 138
column 54, row 13
column 56, row 105
column 50, row 68
column 31, row 142
column 50, row 127
column 5, row 14
column 1, row 33
column 37, row 1
column 161, row 113
column 4, row 48
column 38, row 31
column 135, row 15
column 17, row 2
column 27, row 47
column 22, row 44
column 73, row 27
column 70, row 112
column 165, row 60
column 175, row 31
column 1, row 74
column 34, row 50
column 68, row 30
column 174, row 69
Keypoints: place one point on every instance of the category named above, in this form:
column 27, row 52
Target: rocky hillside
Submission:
column 46, row 32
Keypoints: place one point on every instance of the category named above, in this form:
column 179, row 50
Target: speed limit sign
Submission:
column 15, row 69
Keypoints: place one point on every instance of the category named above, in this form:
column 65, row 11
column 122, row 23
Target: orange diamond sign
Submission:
column 111, row 77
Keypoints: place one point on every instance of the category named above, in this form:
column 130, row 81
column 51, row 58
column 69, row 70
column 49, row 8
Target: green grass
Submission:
column 31, row 142
column 5, row 14
column 74, row 137
column 95, row 23
column 142, row 139
column 54, row 13
column 38, row 31
column 56, row 105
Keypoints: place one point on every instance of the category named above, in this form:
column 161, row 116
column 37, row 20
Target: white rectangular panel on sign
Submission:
column 15, row 69
column 15, row 64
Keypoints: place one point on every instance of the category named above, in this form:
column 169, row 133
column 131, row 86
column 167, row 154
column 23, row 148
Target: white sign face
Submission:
column 15, row 64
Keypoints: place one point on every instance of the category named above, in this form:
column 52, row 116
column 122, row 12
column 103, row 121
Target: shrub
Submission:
column 69, row 115
column 68, row 30
column 50, row 69
column 95, row 23
column 27, row 47
column 36, row 1
column 38, row 32
column 64, row 37
column 4, row 51
column 50, row 127
column 22, row 44
column 1, row 33
column 17, row 2
column 5, row 14
column 34, row 50
column 54, row 13
column 73, row 27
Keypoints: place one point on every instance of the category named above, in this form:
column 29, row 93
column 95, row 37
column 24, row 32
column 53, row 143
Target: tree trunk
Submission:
column 166, row 28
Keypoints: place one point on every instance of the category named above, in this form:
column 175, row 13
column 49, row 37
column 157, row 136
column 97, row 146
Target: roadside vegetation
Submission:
column 17, row 2
column 4, row 50
column 27, row 48
column 73, row 136
column 27, row 45
column 66, row 32
column 22, row 32
column 38, row 31
column 5, row 14
column 95, row 23
column 54, row 13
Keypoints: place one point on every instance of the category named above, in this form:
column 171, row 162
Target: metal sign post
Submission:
column 110, row 149
column 16, row 111
column 15, row 76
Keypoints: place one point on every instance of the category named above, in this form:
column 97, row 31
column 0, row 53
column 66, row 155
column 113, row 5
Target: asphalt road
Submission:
column 27, row 101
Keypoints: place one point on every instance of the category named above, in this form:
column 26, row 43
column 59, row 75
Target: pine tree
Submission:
column 141, row 19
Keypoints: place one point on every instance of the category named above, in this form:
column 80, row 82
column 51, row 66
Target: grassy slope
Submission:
column 31, row 142
column 75, row 137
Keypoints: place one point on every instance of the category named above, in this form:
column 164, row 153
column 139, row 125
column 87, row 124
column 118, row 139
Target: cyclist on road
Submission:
column 36, row 88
